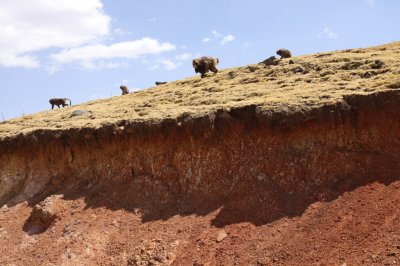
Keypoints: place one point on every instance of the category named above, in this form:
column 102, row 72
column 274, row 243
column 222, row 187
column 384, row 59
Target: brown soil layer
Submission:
column 245, row 185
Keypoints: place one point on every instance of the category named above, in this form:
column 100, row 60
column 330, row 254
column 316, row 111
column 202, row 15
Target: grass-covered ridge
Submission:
column 311, row 81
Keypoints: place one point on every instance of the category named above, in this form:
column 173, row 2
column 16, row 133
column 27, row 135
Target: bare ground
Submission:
column 358, row 228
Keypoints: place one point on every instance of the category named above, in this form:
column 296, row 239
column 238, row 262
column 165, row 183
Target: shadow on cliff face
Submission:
column 248, row 169
column 263, row 207
column 259, row 202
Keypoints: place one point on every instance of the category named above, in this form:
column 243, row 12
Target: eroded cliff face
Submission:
column 259, row 166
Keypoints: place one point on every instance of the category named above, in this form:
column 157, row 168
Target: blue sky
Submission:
column 85, row 49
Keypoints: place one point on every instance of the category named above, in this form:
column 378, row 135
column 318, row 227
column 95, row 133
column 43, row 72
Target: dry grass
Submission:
column 312, row 81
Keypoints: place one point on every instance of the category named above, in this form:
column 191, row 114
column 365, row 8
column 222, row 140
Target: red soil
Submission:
column 358, row 227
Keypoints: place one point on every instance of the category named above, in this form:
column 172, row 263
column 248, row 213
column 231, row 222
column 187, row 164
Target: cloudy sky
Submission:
column 85, row 49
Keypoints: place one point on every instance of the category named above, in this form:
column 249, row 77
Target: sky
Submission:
column 85, row 49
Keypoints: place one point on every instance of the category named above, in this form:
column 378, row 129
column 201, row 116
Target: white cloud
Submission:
column 95, row 65
column 169, row 65
column 87, row 65
column 184, row 57
column 29, row 26
column 130, row 49
column 74, row 30
column 53, row 68
column 226, row 39
column 328, row 33
column 152, row 19
column 121, row 32
column 371, row 3
column 216, row 34
column 246, row 44
column 12, row 60
column 154, row 67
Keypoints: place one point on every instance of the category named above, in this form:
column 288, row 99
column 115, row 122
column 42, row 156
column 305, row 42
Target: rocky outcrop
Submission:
column 43, row 215
column 256, row 163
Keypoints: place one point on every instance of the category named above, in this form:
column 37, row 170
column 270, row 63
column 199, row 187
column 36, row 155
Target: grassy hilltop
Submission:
column 311, row 81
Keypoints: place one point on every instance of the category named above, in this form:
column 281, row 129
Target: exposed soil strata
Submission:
column 276, row 163
column 237, row 169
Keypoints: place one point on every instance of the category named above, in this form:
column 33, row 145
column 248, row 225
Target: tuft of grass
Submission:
column 394, row 85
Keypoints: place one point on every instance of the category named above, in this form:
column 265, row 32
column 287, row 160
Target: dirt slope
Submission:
column 293, row 164
column 358, row 228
